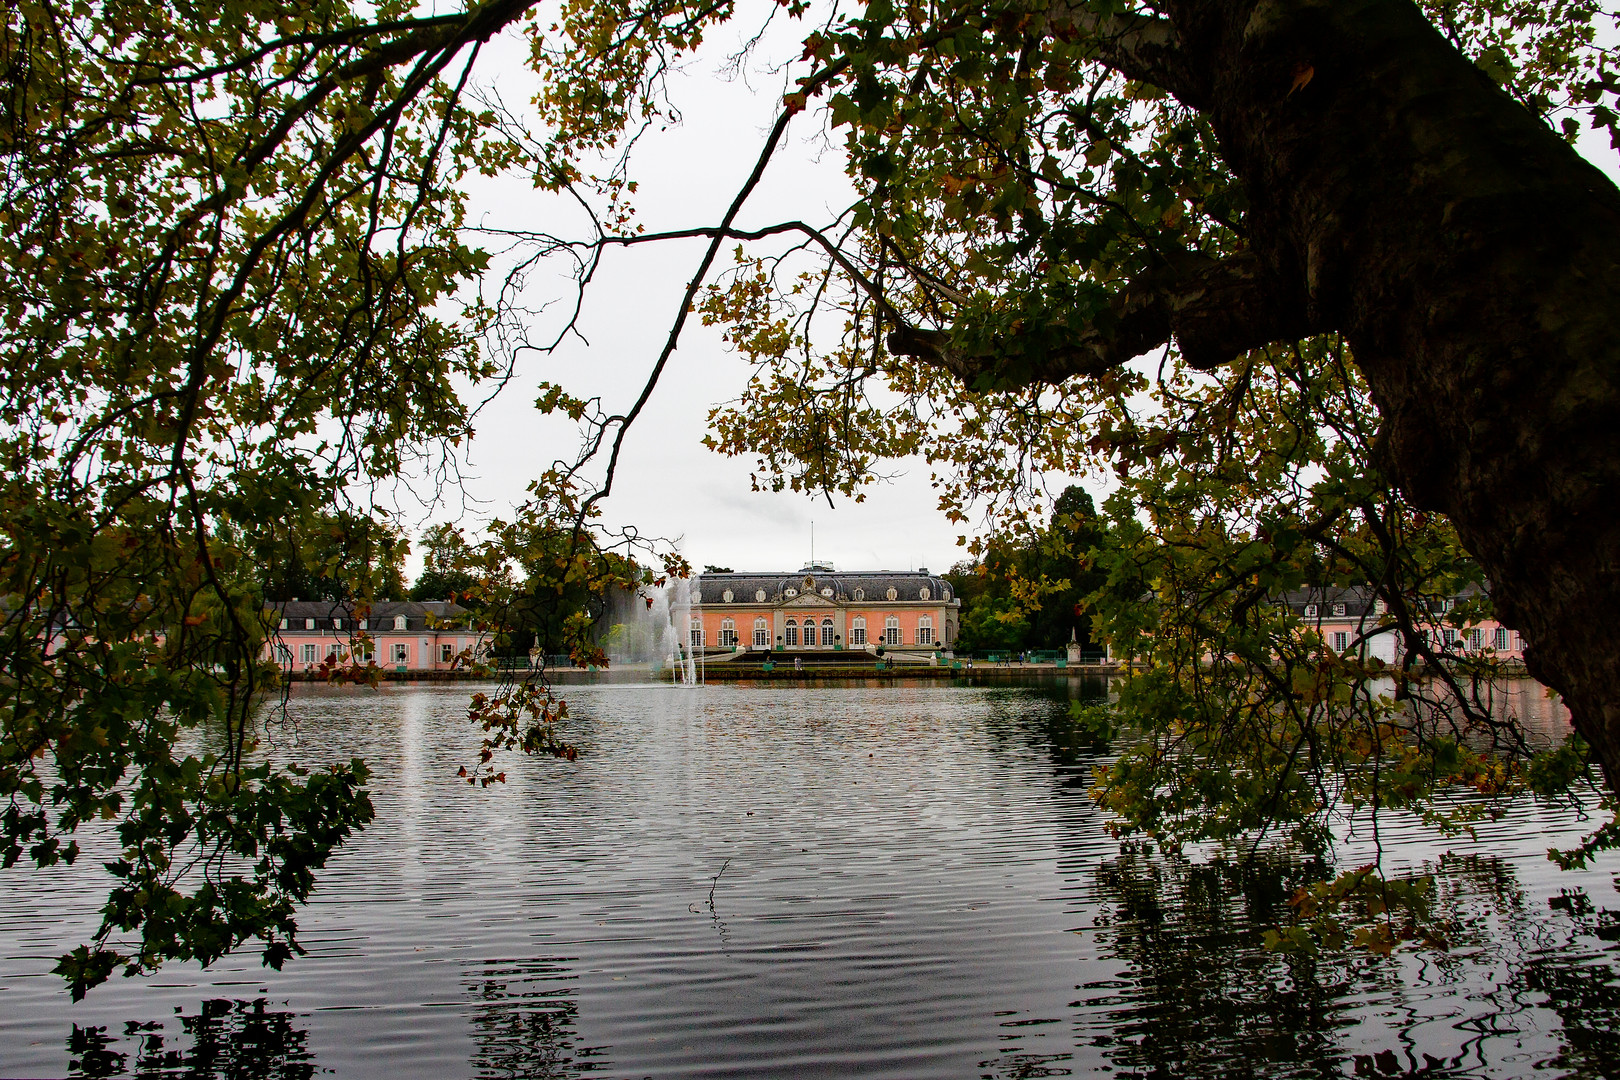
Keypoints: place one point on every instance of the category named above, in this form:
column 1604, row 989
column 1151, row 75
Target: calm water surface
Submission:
column 812, row 882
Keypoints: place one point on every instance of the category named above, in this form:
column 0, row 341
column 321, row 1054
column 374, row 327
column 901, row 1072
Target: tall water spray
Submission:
column 649, row 626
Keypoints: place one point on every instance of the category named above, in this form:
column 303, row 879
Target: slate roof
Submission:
column 868, row 586
column 380, row 615
column 1358, row 601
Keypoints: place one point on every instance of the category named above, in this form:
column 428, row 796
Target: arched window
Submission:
column 826, row 632
column 399, row 622
column 857, row 630
column 893, row 594
column 696, row 633
column 762, row 633
column 728, row 633
column 860, row 594
column 891, row 630
column 925, row 631
column 792, row 632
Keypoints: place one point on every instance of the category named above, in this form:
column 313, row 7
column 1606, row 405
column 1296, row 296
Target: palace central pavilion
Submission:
column 818, row 608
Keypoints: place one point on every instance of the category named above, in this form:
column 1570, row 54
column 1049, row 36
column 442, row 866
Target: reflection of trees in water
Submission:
column 1199, row 996
column 523, row 1020
column 1583, row 987
column 227, row 1039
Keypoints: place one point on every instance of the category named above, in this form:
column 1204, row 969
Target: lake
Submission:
column 814, row 881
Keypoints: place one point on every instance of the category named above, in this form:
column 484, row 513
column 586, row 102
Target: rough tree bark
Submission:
column 1471, row 259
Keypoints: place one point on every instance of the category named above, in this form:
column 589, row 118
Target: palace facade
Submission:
column 818, row 608
column 401, row 635
column 1353, row 618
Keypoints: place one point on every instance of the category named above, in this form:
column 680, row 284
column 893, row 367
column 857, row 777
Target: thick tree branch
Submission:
column 1138, row 45
column 1215, row 309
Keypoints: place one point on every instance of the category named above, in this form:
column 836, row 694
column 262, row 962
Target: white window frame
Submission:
column 1504, row 639
column 402, row 653
column 447, row 652
column 792, row 633
column 306, row 654
column 891, row 630
column 1310, row 611
column 827, row 633
column 925, row 630
column 728, row 633
column 1339, row 609
column 762, row 633
column 400, row 623
column 1341, row 641
column 857, row 630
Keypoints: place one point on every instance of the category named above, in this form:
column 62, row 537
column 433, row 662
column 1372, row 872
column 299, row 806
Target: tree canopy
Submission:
column 1321, row 287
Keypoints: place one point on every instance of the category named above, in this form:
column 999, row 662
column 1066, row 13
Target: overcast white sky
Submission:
column 668, row 484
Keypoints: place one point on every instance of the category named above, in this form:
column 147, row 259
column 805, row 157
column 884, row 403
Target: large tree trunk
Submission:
column 1470, row 257
column 1472, row 260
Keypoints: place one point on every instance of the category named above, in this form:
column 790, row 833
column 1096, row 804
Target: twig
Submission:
column 716, row 882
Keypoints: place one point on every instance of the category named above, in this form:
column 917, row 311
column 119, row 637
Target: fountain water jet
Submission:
column 649, row 626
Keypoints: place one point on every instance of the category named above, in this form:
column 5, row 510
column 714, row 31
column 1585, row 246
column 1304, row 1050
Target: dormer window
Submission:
column 1310, row 611
column 309, row 624
column 284, row 624
column 922, row 594
column 1338, row 609
column 893, row 593
column 399, row 622
column 790, row 592
column 727, row 596
column 759, row 596
column 860, row 594
column 945, row 592
column 826, row 590
column 337, row 624
column 363, row 623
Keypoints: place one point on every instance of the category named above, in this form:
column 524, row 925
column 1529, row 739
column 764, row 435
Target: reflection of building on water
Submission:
column 227, row 1039
column 524, row 1021
column 1353, row 619
column 819, row 609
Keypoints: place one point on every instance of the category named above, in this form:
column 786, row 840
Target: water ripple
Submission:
column 810, row 881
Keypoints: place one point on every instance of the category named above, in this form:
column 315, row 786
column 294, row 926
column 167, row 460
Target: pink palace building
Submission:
column 1353, row 619
column 819, row 609
column 403, row 635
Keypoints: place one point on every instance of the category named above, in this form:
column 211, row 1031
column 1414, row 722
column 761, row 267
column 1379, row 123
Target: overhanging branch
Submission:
column 1215, row 309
